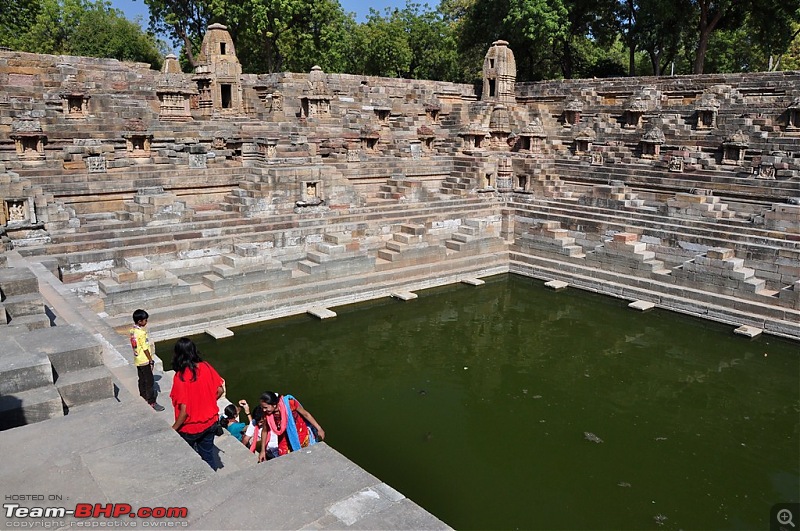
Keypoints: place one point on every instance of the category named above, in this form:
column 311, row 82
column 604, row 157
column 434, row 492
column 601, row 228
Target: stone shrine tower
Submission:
column 218, row 72
column 499, row 74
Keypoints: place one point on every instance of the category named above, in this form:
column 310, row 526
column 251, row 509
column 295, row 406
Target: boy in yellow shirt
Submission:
column 143, row 358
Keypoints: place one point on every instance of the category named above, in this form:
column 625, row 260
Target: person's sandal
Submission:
column 157, row 406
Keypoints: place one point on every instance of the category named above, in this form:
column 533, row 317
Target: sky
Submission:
column 137, row 8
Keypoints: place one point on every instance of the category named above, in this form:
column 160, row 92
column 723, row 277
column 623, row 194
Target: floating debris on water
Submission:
column 660, row 519
column 623, row 484
column 537, row 396
column 589, row 436
column 661, row 438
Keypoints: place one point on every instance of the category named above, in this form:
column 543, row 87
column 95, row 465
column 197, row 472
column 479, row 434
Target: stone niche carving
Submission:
column 18, row 212
column 316, row 100
column 270, row 98
column 174, row 105
column 75, row 104
column 473, row 135
column 634, row 111
column 505, row 174
column 426, row 136
column 676, row 165
column 382, row 112
column 583, row 141
column 651, row 143
column 271, row 148
column 572, row 112
column 597, row 158
column 499, row 73
column 137, row 139
column 706, row 111
column 766, row 171
column 793, row 115
column 734, row 147
column 369, row 136
column 175, row 94
column 432, row 111
column 523, row 182
column 202, row 100
column 532, row 137
column 138, row 145
column 28, row 137
column 499, row 127
column 311, row 193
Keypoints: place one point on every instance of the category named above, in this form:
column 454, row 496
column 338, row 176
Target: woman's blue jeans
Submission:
column 203, row 445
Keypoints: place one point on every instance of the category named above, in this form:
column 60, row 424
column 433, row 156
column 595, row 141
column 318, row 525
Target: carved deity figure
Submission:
column 16, row 211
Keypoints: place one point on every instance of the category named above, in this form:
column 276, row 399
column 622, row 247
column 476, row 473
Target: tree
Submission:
column 16, row 16
column 657, row 30
column 432, row 42
column 770, row 22
column 184, row 21
column 80, row 27
column 386, row 50
column 567, row 28
column 106, row 33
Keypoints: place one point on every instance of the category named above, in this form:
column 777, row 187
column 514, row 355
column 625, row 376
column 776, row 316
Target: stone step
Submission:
column 21, row 305
column 69, row 347
column 388, row 255
column 755, row 284
column 407, row 239
column 29, row 322
column 307, row 266
column 28, row 407
column 408, row 228
column 15, row 281
column 396, row 246
column 85, row 386
column 21, row 370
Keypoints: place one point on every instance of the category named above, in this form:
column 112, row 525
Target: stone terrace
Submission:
column 215, row 199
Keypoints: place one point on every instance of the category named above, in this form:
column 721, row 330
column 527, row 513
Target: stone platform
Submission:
column 118, row 450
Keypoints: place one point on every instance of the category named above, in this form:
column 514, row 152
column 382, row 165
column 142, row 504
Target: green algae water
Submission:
column 510, row 406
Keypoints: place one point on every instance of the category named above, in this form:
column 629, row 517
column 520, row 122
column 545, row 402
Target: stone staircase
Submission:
column 720, row 266
column 403, row 189
column 409, row 246
column 549, row 237
column 477, row 235
column 695, row 205
column 614, row 195
column 624, row 253
column 44, row 370
column 337, row 255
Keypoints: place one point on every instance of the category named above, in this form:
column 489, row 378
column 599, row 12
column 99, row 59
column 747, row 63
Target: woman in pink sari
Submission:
column 286, row 418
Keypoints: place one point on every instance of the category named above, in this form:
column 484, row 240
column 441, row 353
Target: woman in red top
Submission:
column 196, row 387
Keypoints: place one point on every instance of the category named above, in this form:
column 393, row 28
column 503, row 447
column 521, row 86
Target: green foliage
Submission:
column 791, row 59
column 80, row 27
column 413, row 42
column 183, row 21
column 550, row 38
column 16, row 16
